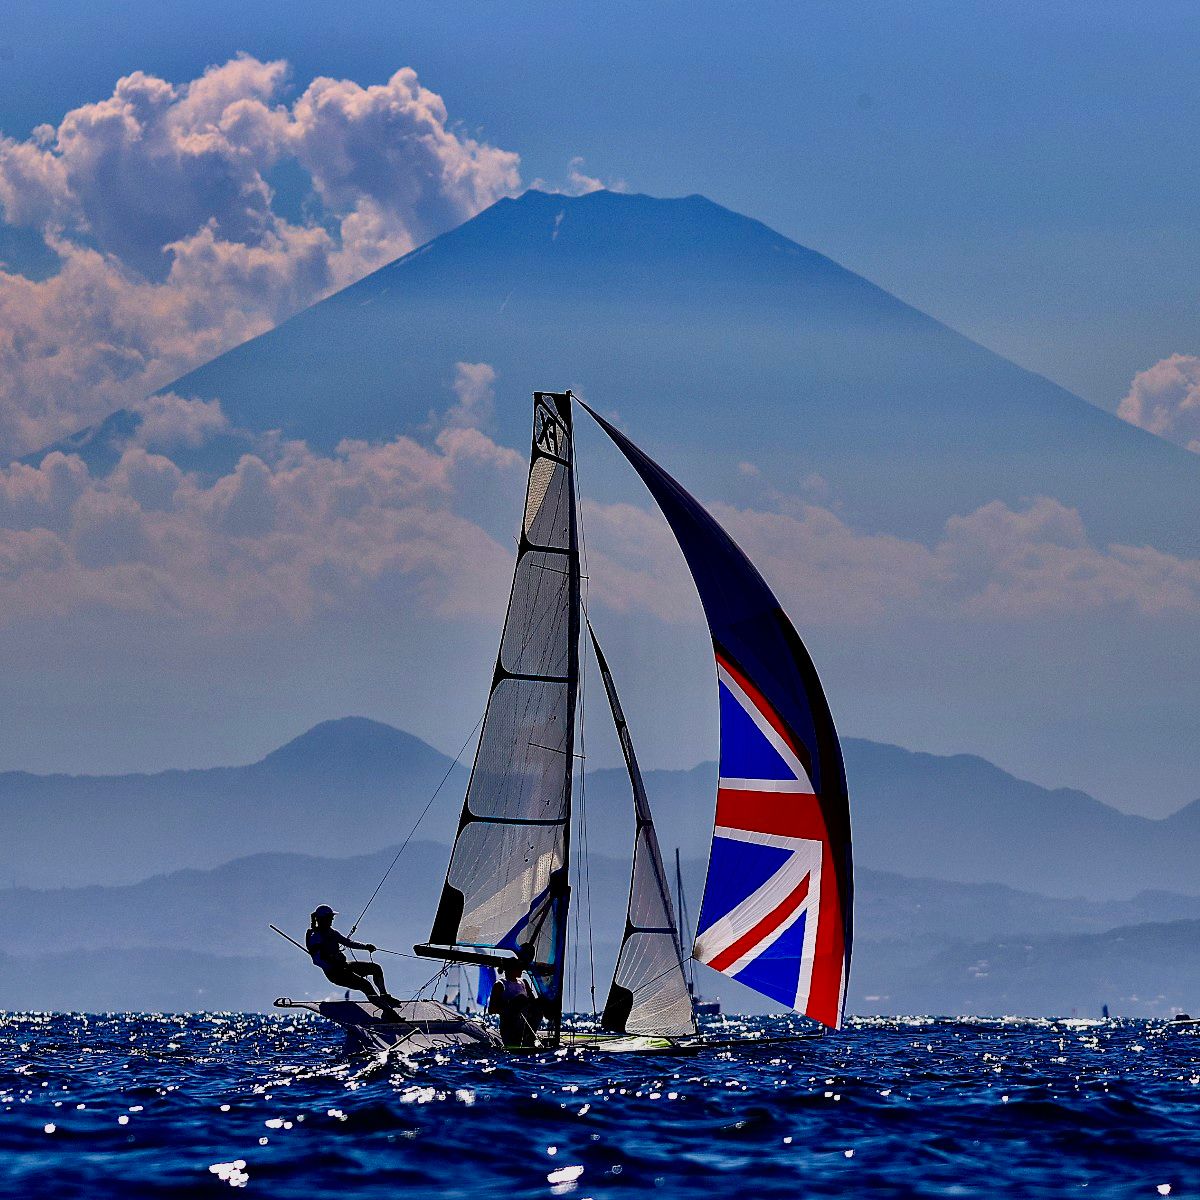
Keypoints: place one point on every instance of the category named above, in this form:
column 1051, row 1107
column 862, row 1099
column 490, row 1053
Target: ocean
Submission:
column 198, row 1104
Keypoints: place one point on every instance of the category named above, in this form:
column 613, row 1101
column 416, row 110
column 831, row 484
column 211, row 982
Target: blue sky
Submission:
column 1024, row 172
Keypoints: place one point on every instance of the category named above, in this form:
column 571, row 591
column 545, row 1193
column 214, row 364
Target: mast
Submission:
column 562, row 405
column 506, row 894
column 685, row 922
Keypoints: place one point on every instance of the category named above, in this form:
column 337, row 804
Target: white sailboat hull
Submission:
column 411, row 1026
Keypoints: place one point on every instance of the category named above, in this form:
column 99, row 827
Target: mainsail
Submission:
column 777, row 906
column 506, row 891
column 649, row 992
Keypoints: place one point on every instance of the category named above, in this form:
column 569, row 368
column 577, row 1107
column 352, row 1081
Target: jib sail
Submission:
column 649, row 992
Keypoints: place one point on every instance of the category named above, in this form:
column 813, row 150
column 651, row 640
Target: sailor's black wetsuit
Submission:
column 325, row 948
column 514, row 1003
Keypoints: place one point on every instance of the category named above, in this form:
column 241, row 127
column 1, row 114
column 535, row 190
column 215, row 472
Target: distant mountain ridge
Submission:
column 199, row 939
column 676, row 313
column 1151, row 969
column 355, row 746
column 342, row 787
column 347, row 787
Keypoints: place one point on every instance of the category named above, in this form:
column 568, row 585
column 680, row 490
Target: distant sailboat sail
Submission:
column 506, row 887
column 777, row 908
column 649, row 992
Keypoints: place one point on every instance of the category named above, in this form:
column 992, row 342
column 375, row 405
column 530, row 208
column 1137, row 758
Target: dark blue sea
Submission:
column 196, row 1105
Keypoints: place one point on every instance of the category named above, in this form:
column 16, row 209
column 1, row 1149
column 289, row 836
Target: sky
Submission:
column 1023, row 173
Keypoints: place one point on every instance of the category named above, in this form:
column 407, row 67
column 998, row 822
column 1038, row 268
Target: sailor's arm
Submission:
column 345, row 941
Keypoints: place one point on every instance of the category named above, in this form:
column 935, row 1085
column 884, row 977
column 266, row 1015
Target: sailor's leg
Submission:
column 518, row 1023
column 375, row 971
column 367, row 975
column 350, row 976
column 512, row 1028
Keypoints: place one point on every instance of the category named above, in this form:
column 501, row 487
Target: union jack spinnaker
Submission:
column 778, row 901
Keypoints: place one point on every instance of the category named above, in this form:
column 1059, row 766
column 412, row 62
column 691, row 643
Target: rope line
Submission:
column 416, row 824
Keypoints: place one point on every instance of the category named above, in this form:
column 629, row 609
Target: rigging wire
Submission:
column 416, row 823
column 400, row 954
column 443, row 970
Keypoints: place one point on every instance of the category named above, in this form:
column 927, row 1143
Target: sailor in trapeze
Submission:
column 327, row 948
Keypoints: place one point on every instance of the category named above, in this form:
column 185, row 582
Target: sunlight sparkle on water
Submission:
column 971, row 1108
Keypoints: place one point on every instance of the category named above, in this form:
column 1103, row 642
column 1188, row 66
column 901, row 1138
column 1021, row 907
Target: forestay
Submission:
column 776, row 912
column 506, row 887
column 649, row 992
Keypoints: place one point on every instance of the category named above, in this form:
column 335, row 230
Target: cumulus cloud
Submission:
column 579, row 183
column 168, row 421
column 1039, row 561
column 997, row 562
column 159, row 202
column 287, row 534
column 1165, row 399
column 284, row 536
column 474, row 387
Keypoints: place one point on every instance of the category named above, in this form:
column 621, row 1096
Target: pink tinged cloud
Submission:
column 283, row 537
column 996, row 563
column 1165, row 399
column 474, row 389
column 156, row 201
column 579, row 183
column 289, row 534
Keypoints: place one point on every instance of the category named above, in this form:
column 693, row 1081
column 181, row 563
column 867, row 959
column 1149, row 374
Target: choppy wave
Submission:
column 146, row 1105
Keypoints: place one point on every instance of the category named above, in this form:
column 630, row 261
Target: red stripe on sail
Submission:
column 763, row 929
column 829, row 959
column 783, row 814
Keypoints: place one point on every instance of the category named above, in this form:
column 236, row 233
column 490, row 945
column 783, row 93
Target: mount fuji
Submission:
column 709, row 333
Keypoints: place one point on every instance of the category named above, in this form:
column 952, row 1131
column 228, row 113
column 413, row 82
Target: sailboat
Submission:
column 776, row 912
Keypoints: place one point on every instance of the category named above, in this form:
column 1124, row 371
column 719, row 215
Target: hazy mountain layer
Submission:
column 347, row 787
column 200, row 939
column 1148, row 970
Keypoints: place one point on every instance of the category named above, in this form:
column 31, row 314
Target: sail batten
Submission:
column 506, row 891
column 649, row 992
column 777, row 908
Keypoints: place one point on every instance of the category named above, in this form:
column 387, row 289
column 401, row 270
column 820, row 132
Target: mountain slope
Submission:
column 1138, row 970
column 343, row 787
column 962, row 818
column 718, row 338
column 348, row 787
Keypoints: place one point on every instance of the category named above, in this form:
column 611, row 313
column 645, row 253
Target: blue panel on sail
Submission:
column 487, row 981
column 776, row 972
column 736, row 870
column 745, row 751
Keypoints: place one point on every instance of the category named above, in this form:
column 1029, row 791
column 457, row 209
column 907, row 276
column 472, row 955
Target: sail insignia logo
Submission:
column 546, row 436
